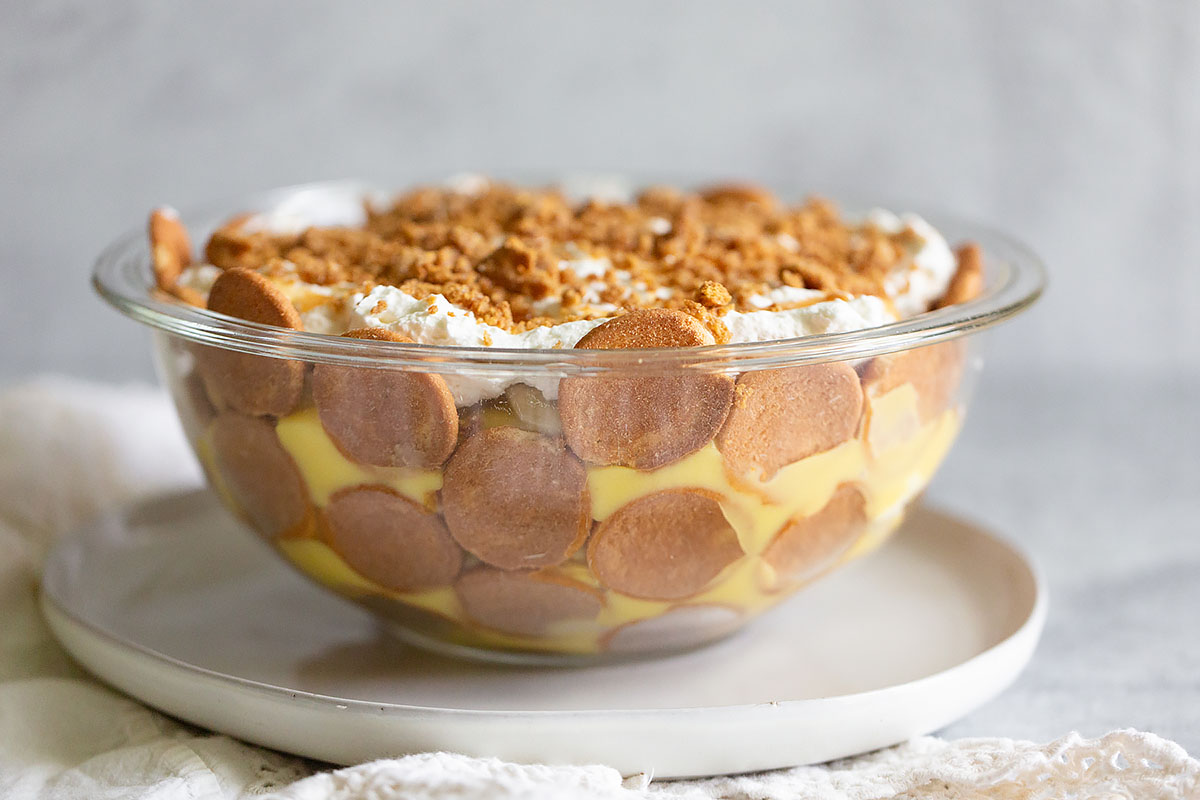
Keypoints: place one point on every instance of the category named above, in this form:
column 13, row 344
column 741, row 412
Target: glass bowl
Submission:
column 567, row 506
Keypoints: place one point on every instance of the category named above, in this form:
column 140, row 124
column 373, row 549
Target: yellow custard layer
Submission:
column 326, row 470
column 891, row 461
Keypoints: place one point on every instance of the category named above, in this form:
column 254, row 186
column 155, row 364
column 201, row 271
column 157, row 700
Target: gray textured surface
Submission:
column 1098, row 477
column 1074, row 125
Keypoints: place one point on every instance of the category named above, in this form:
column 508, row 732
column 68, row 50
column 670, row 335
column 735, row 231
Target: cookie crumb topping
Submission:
column 520, row 258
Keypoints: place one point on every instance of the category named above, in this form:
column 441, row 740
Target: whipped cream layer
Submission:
column 786, row 312
column 434, row 320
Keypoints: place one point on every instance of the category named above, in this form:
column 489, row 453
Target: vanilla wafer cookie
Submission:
column 644, row 421
column 967, row 282
column 244, row 382
column 391, row 540
column 780, row 416
column 386, row 417
column 679, row 628
column 934, row 371
column 259, row 474
column 809, row 545
column 170, row 247
column 524, row 603
column 740, row 193
column 665, row 546
column 516, row 499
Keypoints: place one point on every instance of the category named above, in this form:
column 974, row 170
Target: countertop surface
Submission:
column 1098, row 477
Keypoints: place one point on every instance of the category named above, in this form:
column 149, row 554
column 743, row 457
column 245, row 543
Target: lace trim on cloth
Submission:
column 1122, row 764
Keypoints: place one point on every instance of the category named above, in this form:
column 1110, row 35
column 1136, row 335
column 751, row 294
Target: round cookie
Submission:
column 646, row 328
column 677, row 629
column 259, row 474
column 524, row 603
column 196, row 411
column 391, row 540
column 739, row 193
column 809, row 545
column 665, row 546
column 243, row 382
column 780, row 416
column 967, row 282
column 515, row 499
column 383, row 417
column 934, row 371
column 644, row 421
column 170, row 247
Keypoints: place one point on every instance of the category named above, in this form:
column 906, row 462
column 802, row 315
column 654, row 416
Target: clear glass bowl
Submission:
column 599, row 503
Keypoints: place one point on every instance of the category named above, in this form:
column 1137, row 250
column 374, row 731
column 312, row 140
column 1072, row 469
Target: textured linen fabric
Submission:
column 69, row 450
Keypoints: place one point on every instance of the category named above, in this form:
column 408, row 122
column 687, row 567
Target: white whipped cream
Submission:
column 332, row 318
column 338, row 206
column 199, row 278
column 435, row 320
column 829, row 316
column 924, row 279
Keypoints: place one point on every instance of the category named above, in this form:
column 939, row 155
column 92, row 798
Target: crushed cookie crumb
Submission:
column 509, row 255
column 713, row 295
column 716, row 327
column 741, row 395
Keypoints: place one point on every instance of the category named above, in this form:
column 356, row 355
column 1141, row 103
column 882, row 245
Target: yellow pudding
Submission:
column 326, row 470
column 890, row 461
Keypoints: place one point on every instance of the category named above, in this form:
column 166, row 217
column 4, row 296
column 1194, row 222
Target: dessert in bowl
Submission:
column 520, row 425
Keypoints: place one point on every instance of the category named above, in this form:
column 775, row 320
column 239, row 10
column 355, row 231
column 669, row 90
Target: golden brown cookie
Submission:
column 230, row 246
column 170, row 247
column 646, row 328
column 644, row 421
column 259, row 474
column 664, row 546
column 515, row 499
column 677, row 629
column 391, row 540
column 780, row 416
column 967, row 282
column 191, row 401
column 524, row 603
column 809, row 545
column 247, row 295
column 386, row 417
column 934, row 371
column 739, row 193
column 251, row 384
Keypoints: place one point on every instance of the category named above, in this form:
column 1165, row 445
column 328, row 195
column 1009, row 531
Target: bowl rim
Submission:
column 122, row 277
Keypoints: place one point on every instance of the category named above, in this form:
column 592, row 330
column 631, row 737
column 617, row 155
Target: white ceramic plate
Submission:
column 173, row 603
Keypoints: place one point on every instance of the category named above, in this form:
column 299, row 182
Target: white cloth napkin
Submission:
column 70, row 449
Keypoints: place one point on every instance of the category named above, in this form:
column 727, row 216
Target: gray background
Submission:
column 1074, row 125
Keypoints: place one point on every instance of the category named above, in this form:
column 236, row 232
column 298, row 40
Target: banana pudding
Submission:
column 617, row 502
